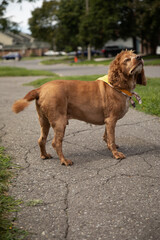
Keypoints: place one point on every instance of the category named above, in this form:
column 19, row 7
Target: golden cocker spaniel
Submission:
column 98, row 102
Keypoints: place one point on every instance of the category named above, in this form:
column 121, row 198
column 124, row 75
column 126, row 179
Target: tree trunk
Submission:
column 89, row 52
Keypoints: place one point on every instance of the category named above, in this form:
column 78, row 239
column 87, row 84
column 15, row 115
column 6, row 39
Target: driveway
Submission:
column 98, row 198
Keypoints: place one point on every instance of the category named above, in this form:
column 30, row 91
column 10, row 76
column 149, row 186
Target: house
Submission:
column 22, row 43
column 128, row 43
column 141, row 46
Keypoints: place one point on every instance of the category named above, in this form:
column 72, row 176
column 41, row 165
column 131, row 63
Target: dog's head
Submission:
column 127, row 68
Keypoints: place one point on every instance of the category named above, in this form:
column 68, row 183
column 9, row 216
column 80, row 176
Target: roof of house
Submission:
column 21, row 41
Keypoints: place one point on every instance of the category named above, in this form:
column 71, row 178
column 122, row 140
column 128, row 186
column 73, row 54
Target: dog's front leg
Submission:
column 105, row 138
column 110, row 127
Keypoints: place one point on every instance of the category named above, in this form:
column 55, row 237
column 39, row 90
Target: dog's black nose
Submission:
column 139, row 57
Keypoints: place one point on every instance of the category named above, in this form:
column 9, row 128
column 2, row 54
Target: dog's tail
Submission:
column 20, row 104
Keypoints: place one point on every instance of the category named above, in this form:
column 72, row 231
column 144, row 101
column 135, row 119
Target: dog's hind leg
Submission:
column 43, row 137
column 105, row 135
column 59, row 131
column 45, row 126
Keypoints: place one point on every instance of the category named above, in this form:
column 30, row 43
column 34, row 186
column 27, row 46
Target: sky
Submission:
column 21, row 12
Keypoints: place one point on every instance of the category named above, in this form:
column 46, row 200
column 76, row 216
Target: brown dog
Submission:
column 93, row 102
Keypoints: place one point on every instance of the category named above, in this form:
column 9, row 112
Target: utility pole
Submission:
column 89, row 46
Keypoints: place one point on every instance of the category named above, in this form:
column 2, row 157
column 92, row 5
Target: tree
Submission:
column 103, row 20
column 67, row 29
column 100, row 24
column 124, row 18
column 148, row 22
column 43, row 21
column 3, row 21
column 140, row 18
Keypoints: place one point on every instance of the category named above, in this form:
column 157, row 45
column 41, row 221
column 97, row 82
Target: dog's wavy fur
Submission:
column 93, row 102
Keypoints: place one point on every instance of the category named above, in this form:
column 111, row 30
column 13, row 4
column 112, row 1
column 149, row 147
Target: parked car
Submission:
column 84, row 53
column 62, row 53
column 51, row 53
column 110, row 51
column 158, row 50
column 93, row 53
column 12, row 55
column 73, row 53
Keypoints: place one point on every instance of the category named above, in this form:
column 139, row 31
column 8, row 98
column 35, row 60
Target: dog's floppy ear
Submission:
column 141, row 79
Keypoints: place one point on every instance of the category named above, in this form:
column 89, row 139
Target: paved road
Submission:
column 67, row 70
column 98, row 198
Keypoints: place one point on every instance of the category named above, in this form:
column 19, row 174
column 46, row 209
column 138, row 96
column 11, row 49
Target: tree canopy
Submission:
column 71, row 23
column 101, row 21
column 42, row 23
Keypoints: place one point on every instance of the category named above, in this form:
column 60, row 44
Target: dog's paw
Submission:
column 119, row 155
column 47, row 156
column 66, row 162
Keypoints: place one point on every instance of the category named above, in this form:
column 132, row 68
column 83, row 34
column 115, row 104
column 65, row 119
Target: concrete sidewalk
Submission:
column 98, row 198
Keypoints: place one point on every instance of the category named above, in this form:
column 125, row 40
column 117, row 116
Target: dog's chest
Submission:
column 125, row 107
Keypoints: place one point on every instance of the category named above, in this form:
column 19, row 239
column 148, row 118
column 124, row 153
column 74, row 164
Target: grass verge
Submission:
column 150, row 97
column 80, row 61
column 150, row 94
column 39, row 82
column 16, row 71
column 7, row 203
column 52, row 61
column 153, row 62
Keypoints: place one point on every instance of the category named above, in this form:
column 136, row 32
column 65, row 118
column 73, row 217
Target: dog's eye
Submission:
column 127, row 60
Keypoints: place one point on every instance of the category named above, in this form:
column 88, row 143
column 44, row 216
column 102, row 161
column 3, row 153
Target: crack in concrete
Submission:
column 150, row 165
column 66, row 204
column 66, row 211
column 136, row 123
column 81, row 131
column 4, row 125
column 141, row 153
column 138, row 175
column 4, row 133
column 25, row 159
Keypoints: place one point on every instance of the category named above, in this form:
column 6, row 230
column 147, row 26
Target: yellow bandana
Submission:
column 105, row 79
column 123, row 91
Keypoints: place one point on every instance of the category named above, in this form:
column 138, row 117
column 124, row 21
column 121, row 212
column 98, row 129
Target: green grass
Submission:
column 39, row 82
column 52, row 61
column 71, row 62
column 153, row 62
column 150, row 57
column 34, row 202
column 93, row 62
column 16, row 71
column 150, row 94
column 7, row 203
column 32, row 58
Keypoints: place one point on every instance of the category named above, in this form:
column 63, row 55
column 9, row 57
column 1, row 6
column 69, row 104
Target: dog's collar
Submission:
column 123, row 91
